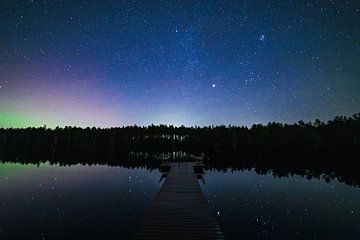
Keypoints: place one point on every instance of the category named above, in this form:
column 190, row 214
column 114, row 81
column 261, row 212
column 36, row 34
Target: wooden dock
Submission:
column 180, row 210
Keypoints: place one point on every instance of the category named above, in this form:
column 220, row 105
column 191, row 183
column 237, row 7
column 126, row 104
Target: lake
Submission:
column 252, row 206
column 48, row 201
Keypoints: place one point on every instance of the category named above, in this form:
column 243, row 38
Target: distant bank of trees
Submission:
column 336, row 137
column 331, row 146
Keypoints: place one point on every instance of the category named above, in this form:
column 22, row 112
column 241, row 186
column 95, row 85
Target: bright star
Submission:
column 262, row 38
column 213, row 85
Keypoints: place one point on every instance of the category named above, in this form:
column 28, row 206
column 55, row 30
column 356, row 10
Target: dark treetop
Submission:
column 311, row 149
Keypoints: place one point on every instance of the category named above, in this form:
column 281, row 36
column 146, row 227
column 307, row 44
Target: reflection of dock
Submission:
column 179, row 211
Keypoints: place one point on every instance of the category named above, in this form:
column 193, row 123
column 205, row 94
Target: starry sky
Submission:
column 116, row 63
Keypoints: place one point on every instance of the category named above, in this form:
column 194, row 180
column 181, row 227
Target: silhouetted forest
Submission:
column 309, row 149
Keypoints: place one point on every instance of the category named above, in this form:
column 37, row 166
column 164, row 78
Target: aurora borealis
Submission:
column 112, row 63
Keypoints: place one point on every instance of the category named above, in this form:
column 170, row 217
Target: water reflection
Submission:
column 84, row 200
column 77, row 202
column 252, row 206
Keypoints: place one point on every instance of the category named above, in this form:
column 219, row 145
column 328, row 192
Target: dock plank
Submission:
column 179, row 210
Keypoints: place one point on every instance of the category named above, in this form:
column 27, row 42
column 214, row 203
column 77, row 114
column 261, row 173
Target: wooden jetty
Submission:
column 179, row 210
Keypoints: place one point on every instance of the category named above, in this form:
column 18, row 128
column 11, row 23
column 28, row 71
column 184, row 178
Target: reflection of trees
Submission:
column 308, row 149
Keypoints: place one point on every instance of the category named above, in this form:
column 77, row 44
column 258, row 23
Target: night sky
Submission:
column 112, row 63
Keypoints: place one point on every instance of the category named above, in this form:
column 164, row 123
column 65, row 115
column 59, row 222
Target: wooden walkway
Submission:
column 180, row 210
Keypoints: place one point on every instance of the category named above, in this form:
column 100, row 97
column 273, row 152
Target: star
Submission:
column 174, row 50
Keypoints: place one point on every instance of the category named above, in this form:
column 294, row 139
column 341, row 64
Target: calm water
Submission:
column 252, row 206
column 101, row 202
column 77, row 202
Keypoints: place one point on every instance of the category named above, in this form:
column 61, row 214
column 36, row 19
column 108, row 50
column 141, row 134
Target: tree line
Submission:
column 338, row 136
column 332, row 146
